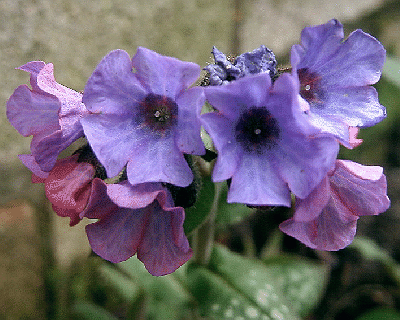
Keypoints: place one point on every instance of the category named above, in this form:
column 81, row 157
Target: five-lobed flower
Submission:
column 145, row 120
column 335, row 78
column 265, row 143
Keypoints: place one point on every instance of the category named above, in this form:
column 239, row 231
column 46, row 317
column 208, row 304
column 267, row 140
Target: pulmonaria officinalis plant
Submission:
column 275, row 134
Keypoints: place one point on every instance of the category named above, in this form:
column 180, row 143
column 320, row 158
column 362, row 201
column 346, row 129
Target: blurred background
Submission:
column 43, row 262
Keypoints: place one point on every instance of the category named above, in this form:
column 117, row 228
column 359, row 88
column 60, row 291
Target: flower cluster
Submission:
column 276, row 134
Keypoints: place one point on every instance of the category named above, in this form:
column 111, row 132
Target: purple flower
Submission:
column 144, row 119
column 327, row 218
column 259, row 60
column 336, row 77
column 265, row 142
column 137, row 219
column 49, row 112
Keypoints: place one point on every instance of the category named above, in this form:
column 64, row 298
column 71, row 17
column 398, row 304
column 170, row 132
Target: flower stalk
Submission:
column 203, row 238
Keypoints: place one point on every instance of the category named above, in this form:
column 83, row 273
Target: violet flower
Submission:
column 260, row 60
column 49, row 112
column 144, row 119
column 336, row 77
column 265, row 142
column 137, row 219
column 327, row 218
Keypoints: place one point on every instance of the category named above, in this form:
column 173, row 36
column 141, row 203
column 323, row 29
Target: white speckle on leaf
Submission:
column 215, row 307
column 262, row 297
column 252, row 312
column 276, row 314
column 228, row 313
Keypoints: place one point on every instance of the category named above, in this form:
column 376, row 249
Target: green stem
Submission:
column 204, row 236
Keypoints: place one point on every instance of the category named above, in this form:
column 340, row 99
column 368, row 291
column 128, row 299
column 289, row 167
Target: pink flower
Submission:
column 327, row 218
column 49, row 112
column 68, row 185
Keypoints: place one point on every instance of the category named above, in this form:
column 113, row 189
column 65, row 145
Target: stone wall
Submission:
column 74, row 35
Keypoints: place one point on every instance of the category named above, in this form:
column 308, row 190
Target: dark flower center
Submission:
column 256, row 130
column 309, row 85
column 158, row 113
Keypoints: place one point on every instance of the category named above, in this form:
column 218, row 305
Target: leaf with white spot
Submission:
column 235, row 287
column 303, row 282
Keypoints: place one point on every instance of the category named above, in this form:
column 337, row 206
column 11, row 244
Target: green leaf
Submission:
column 195, row 215
column 125, row 286
column 302, row 282
column 229, row 213
column 167, row 296
column 237, row 287
column 89, row 311
column 371, row 251
column 380, row 314
column 391, row 70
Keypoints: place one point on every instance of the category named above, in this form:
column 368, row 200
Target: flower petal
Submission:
column 163, row 75
column 68, row 185
column 133, row 197
column 310, row 208
column 362, row 189
column 117, row 236
column 31, row 112
column 228, row 154
column 188, row 131
column 164, row 247
column 113, row 88
column 29, row 161
column 332, row 230
column 159, row 160
column 113, row 138
column 256, row 182
column 304, row 163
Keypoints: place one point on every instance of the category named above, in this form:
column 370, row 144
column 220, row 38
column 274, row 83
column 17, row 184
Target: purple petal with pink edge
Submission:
column 309, row 209
column 362, row 189
column 303, row 163
column 188, row 137
column 46, row 147
column 229, row 154
column 164, row 246
column 113, row 139
column 68, row 185
column 257, row 182
column 332, row 230
column 72, row 109
column 133, row 197
column 31, row 112
column 163, row 75
column 331, row 124
column 29, row 161
column 113, row 88
column 355, row 106
column 33, row 67
column 117, row 236
column 159, row 160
